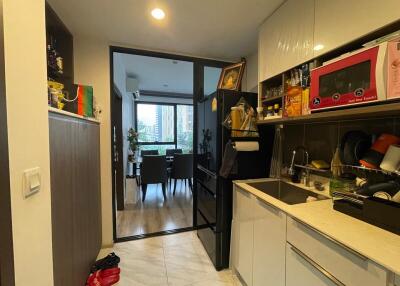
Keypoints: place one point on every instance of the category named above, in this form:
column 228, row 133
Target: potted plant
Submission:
column 133, row 144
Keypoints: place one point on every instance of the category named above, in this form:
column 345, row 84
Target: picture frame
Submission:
column 231, row 77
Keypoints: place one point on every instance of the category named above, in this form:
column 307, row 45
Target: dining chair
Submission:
column 148, row 152
column 182, row 169
column 172, row 152
column 154, row 171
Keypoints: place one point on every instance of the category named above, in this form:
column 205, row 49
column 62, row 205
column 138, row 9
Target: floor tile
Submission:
column 171, row 260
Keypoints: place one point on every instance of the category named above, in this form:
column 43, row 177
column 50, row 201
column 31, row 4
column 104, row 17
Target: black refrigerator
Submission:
column 214, row 193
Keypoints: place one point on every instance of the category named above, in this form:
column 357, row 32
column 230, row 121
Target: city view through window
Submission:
column 156, row 127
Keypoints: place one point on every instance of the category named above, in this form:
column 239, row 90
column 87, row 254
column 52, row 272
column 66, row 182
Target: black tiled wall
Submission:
column 321, row 139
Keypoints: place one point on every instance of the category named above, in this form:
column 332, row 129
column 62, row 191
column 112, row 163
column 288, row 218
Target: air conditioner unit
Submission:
column 132, row 86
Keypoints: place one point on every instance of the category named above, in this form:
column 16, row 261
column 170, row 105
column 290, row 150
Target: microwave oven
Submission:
column 356, row 78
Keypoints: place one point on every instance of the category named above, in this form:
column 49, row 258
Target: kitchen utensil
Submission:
column 374, row 156
column 353, row 146
column 390, row 187
column 336, row 164
column 391, row 161
column 236, row 121
column 319, row 164
column 383, row 195
column 396, row 197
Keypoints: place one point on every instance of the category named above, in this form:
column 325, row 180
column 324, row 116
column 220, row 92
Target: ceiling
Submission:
column 157, row 74
column 218, row 29
column 162, row 75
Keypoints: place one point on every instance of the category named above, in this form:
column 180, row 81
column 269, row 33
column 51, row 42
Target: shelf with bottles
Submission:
column 271, row 90
column 59, row 50
column 297, row 91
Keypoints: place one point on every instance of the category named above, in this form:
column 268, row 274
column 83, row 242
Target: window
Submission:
column 164, row 126
column 185, row 128
column 155, row 123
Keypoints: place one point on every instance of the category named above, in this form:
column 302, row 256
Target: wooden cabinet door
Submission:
column 342, row 21
column 300, row 272
column 76, row 198
column 286, row 39
column 244, row 235
column 269, row 245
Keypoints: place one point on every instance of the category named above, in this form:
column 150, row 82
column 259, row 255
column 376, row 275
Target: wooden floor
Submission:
column 155, row 215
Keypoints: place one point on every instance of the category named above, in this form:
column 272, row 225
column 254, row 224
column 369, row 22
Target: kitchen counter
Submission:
column 375, row 243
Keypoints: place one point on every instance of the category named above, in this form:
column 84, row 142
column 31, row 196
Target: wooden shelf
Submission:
column 70, row 114
column 272, row 99
column 372, row 111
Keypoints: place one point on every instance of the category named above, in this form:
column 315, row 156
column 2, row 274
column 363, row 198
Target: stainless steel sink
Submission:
column 285, row 192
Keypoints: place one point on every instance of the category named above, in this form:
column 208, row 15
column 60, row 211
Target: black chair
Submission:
column 148, row 152
column 153, row 171
column 182, row 169
column 172, row 152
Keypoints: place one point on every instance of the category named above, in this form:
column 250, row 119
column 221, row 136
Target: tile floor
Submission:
column 170, row 260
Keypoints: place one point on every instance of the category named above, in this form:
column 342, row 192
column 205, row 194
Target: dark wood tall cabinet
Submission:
column 76, row 198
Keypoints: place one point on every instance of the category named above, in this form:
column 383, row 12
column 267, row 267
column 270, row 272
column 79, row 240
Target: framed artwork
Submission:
column 231, row 76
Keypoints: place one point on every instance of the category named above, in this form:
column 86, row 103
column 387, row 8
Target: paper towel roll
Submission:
column 244, row 146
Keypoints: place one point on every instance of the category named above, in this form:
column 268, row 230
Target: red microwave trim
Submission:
column 348, row 98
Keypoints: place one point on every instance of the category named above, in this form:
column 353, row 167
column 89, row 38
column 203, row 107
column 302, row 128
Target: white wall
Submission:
column 250, row 78
column 28, row 138
column 127, row 106
column 92, row 67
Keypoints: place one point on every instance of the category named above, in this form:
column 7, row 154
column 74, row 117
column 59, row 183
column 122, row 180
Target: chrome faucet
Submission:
column 292, row 170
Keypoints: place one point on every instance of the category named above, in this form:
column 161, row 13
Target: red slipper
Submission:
column 110, row 272
column 109, row 280
column 92, row 277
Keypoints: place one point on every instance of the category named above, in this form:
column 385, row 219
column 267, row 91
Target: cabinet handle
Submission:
column 316, row 266
column 359, row 255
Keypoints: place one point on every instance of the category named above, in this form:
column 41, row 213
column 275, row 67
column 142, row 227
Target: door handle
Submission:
column 319, row 268
column 115, row 154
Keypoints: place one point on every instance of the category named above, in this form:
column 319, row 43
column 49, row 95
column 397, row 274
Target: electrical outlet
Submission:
column 32, row 182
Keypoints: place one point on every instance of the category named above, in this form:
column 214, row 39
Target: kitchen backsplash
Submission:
column 321, row 139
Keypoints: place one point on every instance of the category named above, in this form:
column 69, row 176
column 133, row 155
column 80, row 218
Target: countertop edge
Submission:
column 290, row 210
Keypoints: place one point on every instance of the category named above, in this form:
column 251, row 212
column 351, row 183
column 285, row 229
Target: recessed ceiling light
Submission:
column 158, row 14
column 319, row 47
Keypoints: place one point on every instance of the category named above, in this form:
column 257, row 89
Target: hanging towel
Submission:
column 229, row 163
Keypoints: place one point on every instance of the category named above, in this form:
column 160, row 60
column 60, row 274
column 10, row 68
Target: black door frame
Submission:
column 6, row 239
column 198, row 90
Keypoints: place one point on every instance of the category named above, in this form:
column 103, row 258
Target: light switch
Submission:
column 32, row 182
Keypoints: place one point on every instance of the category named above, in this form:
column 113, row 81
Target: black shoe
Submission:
column 110, row 261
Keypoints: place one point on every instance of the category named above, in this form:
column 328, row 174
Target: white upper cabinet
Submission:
column 286, row 38
column 342, row 21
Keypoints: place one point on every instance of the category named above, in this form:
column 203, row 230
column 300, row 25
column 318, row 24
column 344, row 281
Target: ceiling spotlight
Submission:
column 319, row 47
column 158, row 14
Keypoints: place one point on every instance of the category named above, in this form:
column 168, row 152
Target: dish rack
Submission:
column 376, row 211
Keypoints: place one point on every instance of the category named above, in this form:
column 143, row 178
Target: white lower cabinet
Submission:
column 270, row 248
column 302, row 272
column 243, row 237
column 269, row 245
column 346, row 265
